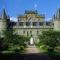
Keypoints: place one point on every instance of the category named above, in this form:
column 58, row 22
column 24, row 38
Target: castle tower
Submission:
column 3, row 22
column 57, row 21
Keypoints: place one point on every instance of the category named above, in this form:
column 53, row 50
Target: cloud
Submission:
column 48, row 19
column 13, row 18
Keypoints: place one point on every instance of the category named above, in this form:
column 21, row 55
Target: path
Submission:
column 32, row 49
column 32, row 53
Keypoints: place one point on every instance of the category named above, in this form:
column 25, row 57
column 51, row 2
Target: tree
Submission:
column 50, row 39
column 1, row 44
column 6, row 39
column 20, row 40
column 13, row 40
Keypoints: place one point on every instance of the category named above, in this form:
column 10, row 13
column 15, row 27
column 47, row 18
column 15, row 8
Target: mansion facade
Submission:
column 30, row 24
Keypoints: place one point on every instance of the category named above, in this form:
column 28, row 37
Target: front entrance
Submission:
column 31, row 41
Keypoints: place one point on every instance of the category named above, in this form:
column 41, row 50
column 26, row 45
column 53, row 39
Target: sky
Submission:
column 17, row 7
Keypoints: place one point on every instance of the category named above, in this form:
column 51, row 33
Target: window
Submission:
column 27, row 23
column 34, row 23
column 48, row 23
column 30, row 32
column 37, row 32
column 41, row 23
column 27, row 33
column 23, row 32
column 21, row 23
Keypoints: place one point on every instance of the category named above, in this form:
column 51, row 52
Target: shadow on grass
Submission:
column 34, row 56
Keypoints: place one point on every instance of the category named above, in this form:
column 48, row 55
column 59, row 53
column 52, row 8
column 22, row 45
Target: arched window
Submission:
column 37, row 32
column 27, row 33
column 23, row 32
column 30, row 32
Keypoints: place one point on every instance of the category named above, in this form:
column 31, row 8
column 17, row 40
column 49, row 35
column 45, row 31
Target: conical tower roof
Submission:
column 4, row 15
column 58, row 14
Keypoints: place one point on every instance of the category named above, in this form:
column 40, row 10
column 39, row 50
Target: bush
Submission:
column 17, row 50
column 50, row 39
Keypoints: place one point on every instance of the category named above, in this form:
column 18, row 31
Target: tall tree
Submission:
column 50, row 39
column 13, row 39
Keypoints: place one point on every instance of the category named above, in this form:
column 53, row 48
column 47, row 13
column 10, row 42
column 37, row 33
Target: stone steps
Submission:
column 32, row 49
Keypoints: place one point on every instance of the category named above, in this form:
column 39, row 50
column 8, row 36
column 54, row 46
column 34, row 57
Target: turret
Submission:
column 4, row 15
column 58, row 14
column 3, row 21
column 57, row 21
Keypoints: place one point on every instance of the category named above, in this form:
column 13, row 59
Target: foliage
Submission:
column 20, row 40
column 10, row 40
column 50, row 39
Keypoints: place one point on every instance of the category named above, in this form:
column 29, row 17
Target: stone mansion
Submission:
column 30, row 24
